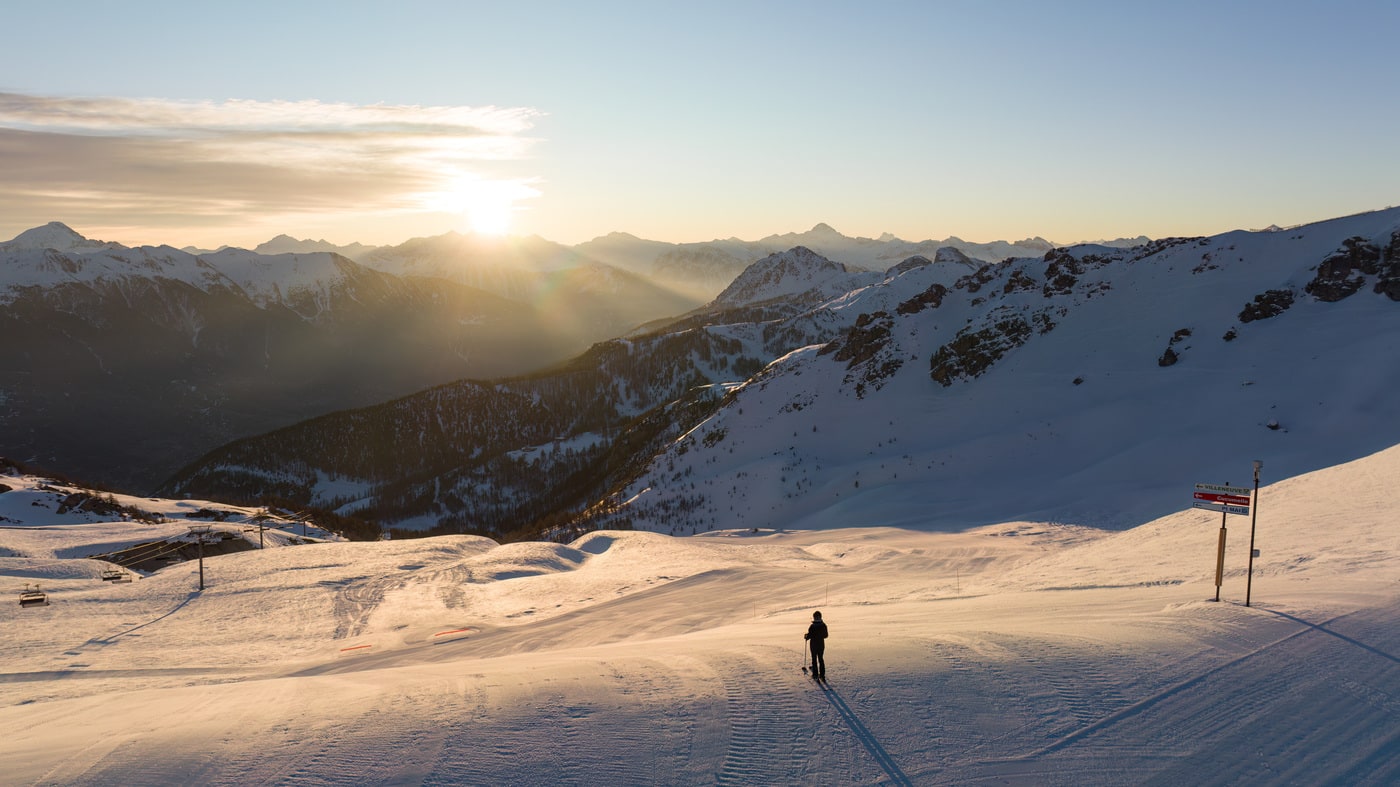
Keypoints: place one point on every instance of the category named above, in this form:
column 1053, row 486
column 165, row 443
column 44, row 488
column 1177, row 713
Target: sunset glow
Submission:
column 487, row 207
column 923, row 120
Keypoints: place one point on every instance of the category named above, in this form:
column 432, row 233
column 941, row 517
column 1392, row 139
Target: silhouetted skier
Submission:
column 816, row 636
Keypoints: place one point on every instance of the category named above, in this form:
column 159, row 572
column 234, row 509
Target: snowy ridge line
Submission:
column 1149, row 702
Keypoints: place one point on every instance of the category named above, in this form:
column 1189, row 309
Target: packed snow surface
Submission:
column 1013, row 653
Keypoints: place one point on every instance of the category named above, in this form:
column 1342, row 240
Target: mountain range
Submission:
column 816, row 394
column 511, row 266
column 125, row 363
column 121, row 364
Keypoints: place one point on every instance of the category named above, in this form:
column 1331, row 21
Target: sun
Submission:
column 489, row 214
column 488, row 207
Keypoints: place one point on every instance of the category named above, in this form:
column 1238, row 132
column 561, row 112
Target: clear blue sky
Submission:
column 689, row 121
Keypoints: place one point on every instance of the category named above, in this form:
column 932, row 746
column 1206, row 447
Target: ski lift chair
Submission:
column 32, row 596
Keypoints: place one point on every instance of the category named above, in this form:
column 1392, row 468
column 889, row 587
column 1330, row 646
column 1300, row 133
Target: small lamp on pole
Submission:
column 1253, row 518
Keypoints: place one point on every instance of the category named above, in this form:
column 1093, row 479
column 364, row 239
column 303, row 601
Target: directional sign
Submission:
column 1229, row 500
column 1220, row 507
column 1223, row 490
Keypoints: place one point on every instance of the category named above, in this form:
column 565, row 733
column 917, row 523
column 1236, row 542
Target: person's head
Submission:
column 816, row 616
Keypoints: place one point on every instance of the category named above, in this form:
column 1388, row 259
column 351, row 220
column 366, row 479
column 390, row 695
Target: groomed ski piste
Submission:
column 1021, row 652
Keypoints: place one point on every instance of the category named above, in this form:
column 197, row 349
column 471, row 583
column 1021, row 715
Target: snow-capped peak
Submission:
column 54, row 235
column 797, row 271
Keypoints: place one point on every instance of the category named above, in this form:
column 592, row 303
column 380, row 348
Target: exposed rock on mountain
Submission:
column 1270, row 303
column 1346, row 270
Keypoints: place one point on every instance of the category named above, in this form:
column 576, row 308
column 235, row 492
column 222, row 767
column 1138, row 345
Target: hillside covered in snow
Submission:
column 1021, row 652
column 1090, row 384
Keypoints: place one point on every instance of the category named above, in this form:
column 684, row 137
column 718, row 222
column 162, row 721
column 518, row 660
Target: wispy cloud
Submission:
column 161, row 163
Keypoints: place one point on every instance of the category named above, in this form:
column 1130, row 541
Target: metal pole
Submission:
column 1220, row 557
column 199, row 531
column 1253, row 518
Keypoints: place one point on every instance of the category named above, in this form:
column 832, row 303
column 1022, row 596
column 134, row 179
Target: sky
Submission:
column 212, row 124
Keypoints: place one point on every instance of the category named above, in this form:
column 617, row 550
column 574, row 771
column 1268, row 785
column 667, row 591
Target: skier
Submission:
column 816, row 635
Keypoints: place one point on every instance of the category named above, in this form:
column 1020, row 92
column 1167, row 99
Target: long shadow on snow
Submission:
column 1323, row 628
column 866, row 737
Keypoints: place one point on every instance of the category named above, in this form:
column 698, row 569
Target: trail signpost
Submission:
column 1225, row 499
column 1228, row 500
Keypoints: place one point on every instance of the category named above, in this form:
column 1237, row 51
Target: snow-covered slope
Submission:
column 1015, row 652
column 1094, row 385
column 54, row 255
column 58, row 534
column 55, row 235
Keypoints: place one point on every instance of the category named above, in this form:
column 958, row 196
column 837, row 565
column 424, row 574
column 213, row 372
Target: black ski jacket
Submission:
column 817, row 633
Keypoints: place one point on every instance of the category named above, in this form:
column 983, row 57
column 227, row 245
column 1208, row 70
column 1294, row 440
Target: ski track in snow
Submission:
column 766, row 719
column 356, row 601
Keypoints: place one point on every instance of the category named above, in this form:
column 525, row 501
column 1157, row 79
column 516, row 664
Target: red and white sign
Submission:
column 1223, row 499
column 1220, row 498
